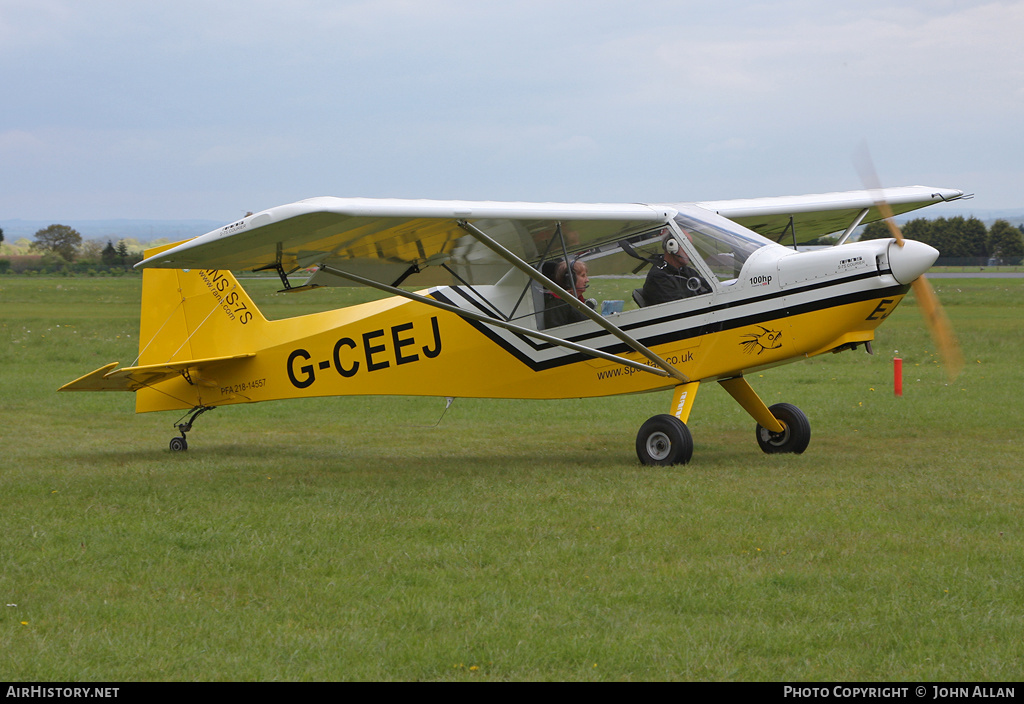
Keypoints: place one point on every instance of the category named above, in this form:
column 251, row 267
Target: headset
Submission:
column 565, row 274
column 671, row 246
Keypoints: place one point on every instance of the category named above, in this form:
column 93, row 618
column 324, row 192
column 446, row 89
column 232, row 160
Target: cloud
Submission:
column 657, row 100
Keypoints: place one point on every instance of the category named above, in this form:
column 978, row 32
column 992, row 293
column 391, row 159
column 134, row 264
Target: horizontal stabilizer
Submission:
column 107, row 378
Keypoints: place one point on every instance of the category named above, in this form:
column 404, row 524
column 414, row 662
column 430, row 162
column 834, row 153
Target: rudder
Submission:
column 193, row 314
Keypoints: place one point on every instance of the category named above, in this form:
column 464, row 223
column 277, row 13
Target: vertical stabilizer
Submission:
column 194, row 314
column 191, row 314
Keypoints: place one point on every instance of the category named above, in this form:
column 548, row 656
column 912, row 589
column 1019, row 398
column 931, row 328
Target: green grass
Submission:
column 963, row 268
column 360, row 539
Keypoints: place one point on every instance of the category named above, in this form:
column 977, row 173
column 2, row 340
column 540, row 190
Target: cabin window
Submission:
column 722, row 244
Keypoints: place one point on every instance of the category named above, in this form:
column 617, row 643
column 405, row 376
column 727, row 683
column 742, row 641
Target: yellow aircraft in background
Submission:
column 477, row 328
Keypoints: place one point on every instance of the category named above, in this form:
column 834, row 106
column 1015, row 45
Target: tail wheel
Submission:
column 664, row 440
column 180, row 444
column 795, row 435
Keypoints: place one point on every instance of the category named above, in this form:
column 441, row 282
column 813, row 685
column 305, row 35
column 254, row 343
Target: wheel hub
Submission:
column 777, row 439
column 659, row 445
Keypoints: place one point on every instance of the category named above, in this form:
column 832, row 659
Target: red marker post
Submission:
column 897, row 375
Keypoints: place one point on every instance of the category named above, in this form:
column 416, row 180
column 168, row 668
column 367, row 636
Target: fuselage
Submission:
column 782, row 306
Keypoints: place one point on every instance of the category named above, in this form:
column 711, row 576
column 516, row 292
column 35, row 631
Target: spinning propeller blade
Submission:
column 927, row 301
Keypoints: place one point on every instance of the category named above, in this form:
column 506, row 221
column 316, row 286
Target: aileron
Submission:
column 821, row 214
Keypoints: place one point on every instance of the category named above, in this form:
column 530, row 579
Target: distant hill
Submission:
column 114, row 230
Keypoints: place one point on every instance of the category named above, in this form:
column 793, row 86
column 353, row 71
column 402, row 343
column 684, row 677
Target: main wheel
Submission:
column 178, row 444
column 794, row 437
column 664, row 440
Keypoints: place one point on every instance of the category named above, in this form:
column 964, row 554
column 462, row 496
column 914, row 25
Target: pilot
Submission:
column 558, row 312
column 672, row 277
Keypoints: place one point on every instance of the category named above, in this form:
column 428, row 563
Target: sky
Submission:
column 207, row 110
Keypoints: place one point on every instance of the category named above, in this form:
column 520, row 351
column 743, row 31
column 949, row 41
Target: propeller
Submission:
column 927, row 300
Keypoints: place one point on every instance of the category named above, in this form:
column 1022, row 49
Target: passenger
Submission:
column 672, row 277
column 556, row 311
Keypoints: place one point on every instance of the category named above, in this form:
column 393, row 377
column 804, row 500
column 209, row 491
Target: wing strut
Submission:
column 497, row 322
column 518, row 263
column 276, row 266
column 853, row 226
column 790, row 227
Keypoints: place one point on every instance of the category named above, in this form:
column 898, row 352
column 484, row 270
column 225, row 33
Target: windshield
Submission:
column 721, row 243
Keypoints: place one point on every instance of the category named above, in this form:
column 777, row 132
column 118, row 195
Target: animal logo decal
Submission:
column 758, row 342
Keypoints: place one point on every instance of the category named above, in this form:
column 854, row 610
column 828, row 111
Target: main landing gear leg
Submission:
column 780, row 428
column 664, row 439
column 181, row 444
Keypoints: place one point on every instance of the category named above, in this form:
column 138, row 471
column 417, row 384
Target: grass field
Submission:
column 349, row 539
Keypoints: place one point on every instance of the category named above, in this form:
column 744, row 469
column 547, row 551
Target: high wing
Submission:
column 812, row 216
column 388, row 239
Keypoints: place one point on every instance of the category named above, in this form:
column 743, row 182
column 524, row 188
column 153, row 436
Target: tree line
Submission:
column 63, row 250
column 961, row 240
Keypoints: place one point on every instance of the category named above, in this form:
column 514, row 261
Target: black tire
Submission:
column 178, row 444
column 793, row 439
column 664, row 440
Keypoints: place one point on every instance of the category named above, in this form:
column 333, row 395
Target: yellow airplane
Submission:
column 482, row 326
